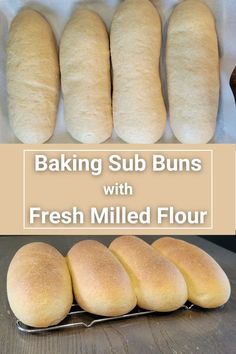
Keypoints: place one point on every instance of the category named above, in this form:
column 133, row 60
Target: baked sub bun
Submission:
column 100, row 283
column 158, row 284
column 208, row 285
column 85, row 75
column 39, row 287
column 138, row 108
column 32, row 77
column 192, row 72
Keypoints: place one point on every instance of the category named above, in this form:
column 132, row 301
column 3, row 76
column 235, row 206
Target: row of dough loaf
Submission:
column 139, row 113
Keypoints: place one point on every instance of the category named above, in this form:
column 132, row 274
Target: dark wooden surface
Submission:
column 184, row 331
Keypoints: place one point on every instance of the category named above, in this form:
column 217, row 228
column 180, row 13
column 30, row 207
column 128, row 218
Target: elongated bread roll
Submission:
column 100, row 283
column 208, row 285
column 85, row 74
column 157, row 282
column 32, row 78
column 138, row 108
column 192, row 72
column 39, row 287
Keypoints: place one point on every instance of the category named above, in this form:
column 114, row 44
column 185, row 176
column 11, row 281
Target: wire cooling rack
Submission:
column 80, row 318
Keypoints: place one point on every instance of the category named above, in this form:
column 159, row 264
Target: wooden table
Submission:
column 184, row 331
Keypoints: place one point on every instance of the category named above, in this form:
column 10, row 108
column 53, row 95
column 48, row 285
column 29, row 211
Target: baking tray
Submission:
column 80, row 318
column 58, row 12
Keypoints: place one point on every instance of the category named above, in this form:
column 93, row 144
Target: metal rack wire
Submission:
column 80, row 318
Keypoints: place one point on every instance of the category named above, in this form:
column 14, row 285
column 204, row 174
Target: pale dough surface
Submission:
column 58, row 13
column 192, row 72
column 32, row 77
column 138, row 108
column 85, row 75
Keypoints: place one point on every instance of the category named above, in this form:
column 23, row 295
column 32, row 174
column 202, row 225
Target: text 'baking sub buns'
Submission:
column 138, row 108
column 208, row 285
column 32, row 77
column 39, row 286
column 85, row 75
column 192, row 72
column 158, row 284
column 100, row 283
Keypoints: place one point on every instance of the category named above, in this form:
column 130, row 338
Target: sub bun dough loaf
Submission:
column 32, row 77
column 85, row 75
column 39, row 286
column 208, row 285
column 192, row 72
column 158, row 284
column 138, row 108
column 100, row 283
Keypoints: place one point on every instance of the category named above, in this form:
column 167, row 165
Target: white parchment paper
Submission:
column 57, row 12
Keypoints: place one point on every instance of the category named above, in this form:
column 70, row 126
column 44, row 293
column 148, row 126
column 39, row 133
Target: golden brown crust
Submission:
column 39, row 286
column 208, row 285
column 101, row 285
column 157, row 282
